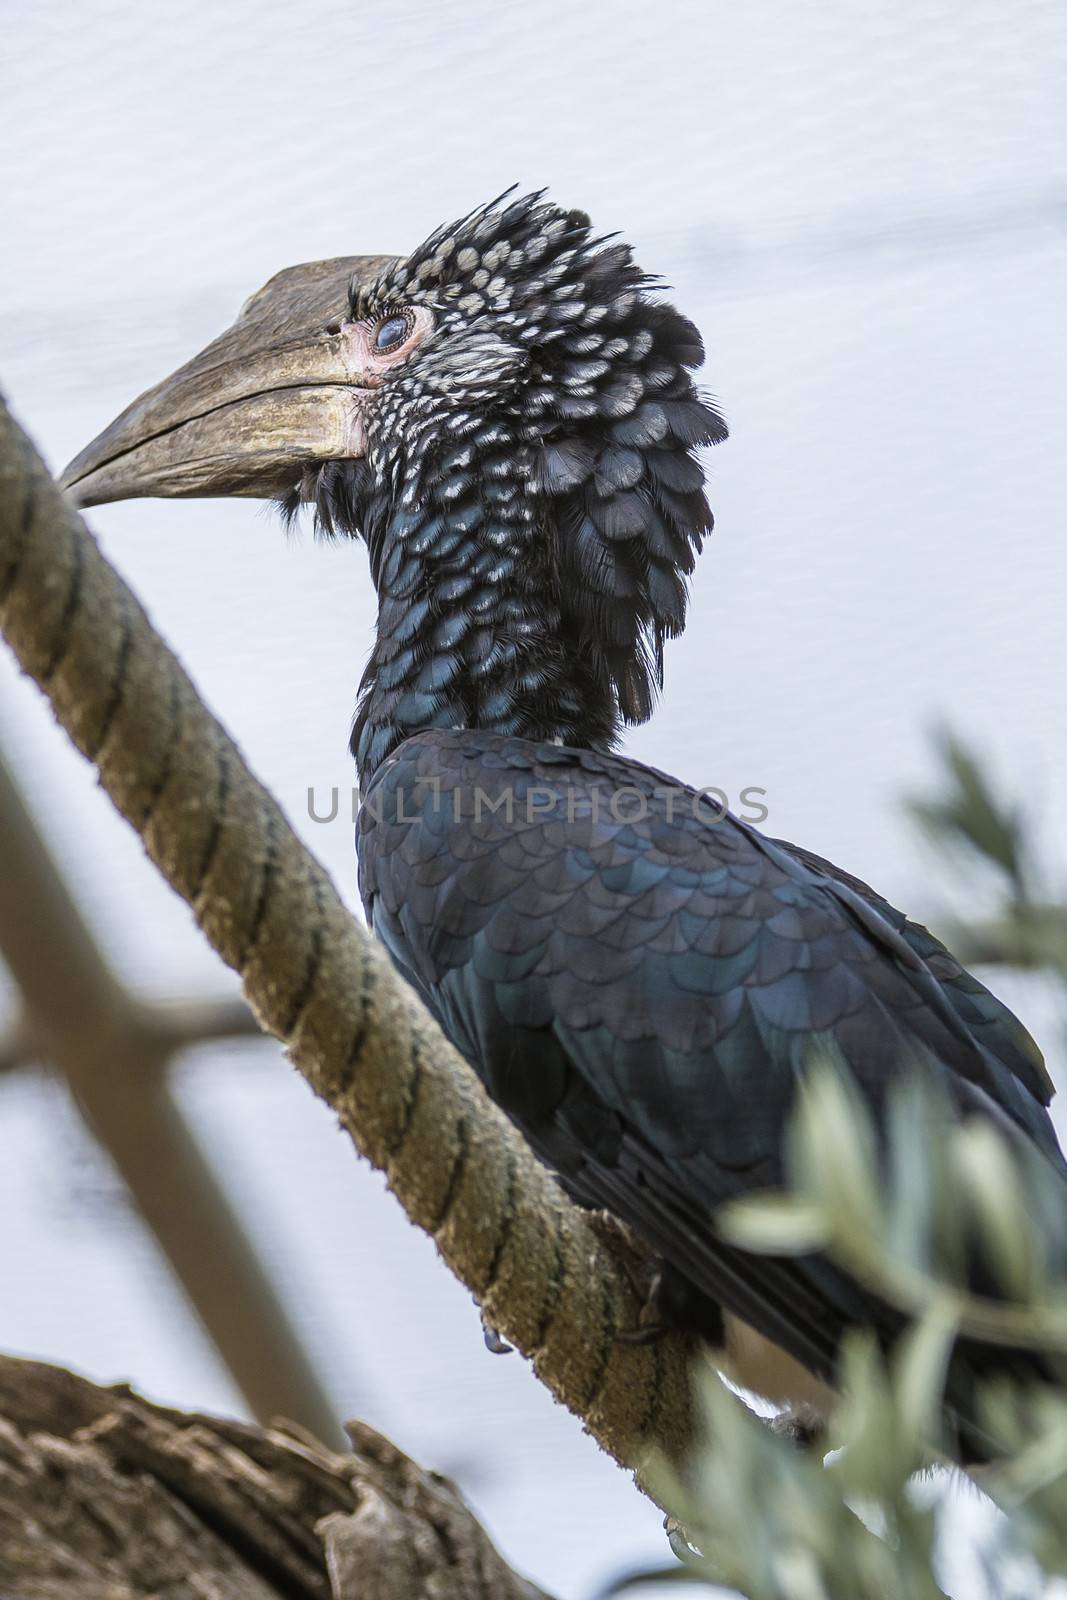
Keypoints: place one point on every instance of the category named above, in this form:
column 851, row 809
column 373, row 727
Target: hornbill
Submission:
column 507, row 418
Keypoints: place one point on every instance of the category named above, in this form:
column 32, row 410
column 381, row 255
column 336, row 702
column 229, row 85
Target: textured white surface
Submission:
column 864, row 209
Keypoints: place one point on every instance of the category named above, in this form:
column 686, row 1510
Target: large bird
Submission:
column 507, row 418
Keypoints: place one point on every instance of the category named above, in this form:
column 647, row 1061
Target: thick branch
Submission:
column 315, row 978
column 106, row 1496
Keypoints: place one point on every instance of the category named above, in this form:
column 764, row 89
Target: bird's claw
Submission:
column 802, row 1426
column 493, row 1342
column 638, row 1336
column 681, row 1544
column 651, row 1324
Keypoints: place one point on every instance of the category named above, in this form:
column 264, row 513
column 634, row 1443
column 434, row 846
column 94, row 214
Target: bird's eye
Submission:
column 391, row 332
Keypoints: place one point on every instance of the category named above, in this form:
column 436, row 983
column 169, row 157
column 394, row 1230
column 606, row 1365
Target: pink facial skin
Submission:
column 369, row 366
column 365, row 368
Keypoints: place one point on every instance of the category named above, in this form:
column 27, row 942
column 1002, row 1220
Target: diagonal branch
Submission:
column 545, row 1279
column 113, row 1051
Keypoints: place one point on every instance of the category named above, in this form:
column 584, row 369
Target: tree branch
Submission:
column 113, row 1051
column 316, row 980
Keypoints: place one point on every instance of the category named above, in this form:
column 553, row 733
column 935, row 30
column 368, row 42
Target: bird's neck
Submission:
column 472, row 631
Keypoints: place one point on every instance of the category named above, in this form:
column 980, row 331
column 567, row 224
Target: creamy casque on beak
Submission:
column 286, row 384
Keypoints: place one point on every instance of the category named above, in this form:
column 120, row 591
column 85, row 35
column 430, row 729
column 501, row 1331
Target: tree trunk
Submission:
column 105, row 1496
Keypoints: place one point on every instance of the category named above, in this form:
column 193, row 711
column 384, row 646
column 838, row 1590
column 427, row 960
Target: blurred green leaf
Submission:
column 968, row 813
column 920, row 1365
column 774, row 1224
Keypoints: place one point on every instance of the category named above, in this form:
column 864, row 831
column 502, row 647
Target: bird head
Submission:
column 511, row 398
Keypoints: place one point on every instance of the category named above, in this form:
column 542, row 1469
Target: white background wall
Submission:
column 863, row 206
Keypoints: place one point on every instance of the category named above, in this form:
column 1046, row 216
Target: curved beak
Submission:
column 278, row 389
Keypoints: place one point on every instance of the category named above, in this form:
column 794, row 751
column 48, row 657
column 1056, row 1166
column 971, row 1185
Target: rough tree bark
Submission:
column 105, row 1496
column 548, row 1280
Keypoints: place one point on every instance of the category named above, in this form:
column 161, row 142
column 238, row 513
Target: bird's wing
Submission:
column 642, row 995
column 997, row 1028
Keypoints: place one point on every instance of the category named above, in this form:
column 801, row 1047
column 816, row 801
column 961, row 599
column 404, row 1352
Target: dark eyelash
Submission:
column 371, row 316
column 384, row 314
